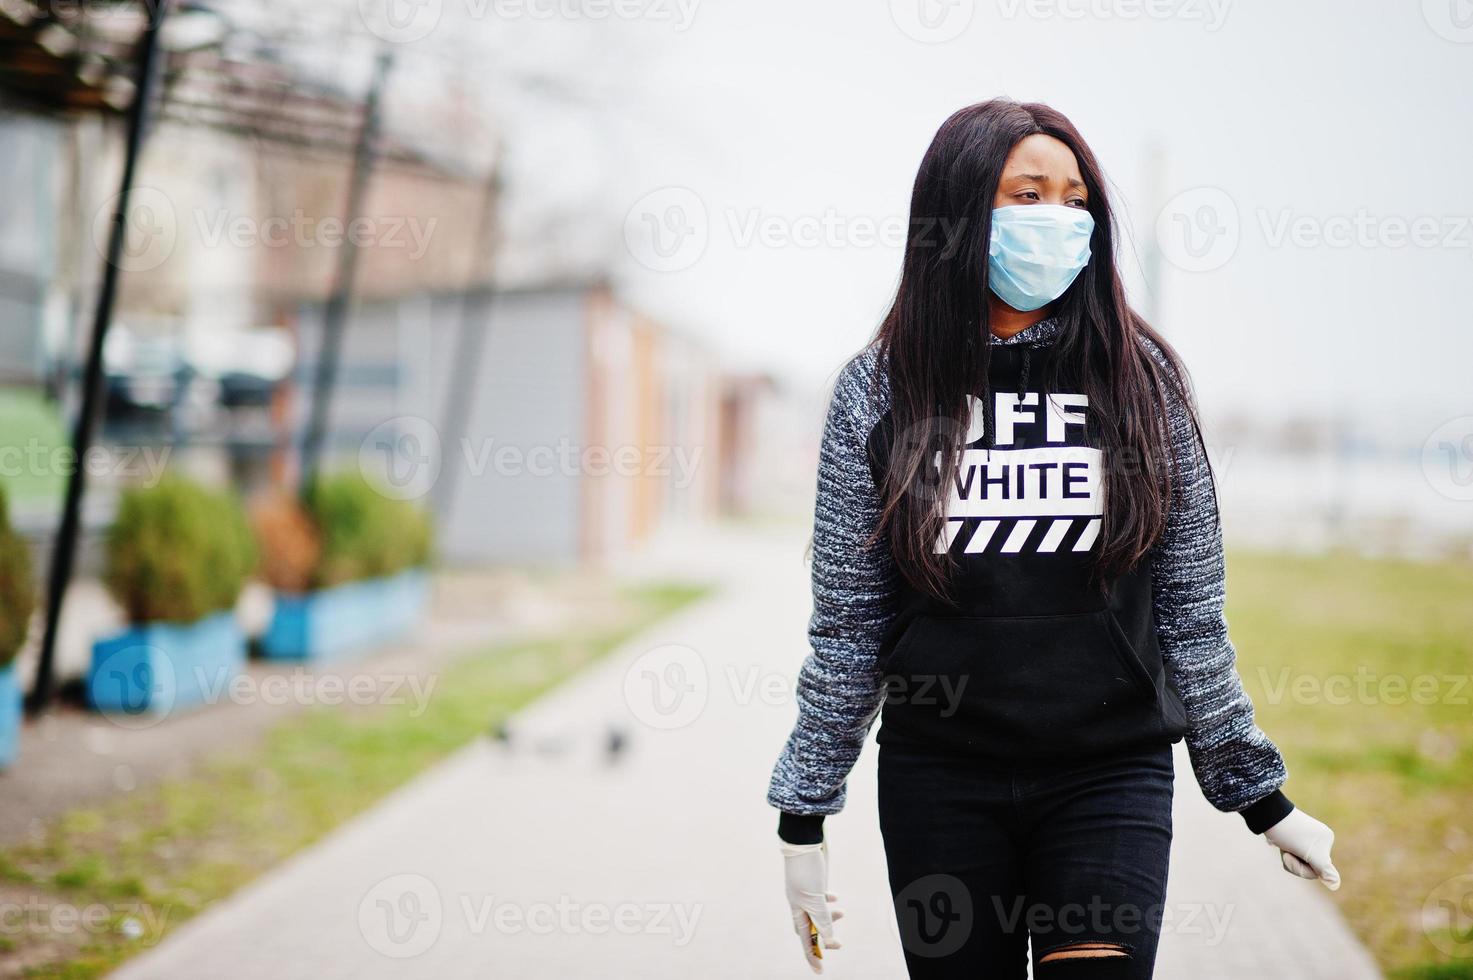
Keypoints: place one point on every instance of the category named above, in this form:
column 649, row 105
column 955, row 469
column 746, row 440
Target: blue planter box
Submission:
column 10, row 715
column 156, row 668
column 346, row 618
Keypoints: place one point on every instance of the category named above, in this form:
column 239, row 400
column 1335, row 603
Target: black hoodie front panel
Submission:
column 1033, row 661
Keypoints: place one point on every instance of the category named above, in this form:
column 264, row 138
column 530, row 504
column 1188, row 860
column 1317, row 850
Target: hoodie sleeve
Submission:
column 839, row 690
column 1237, row 766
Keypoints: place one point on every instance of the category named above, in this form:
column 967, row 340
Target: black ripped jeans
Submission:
column 982, row 860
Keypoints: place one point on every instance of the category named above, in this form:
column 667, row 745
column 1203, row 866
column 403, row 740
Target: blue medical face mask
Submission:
column 1036, row 252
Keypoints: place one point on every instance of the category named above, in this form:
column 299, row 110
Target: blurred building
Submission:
column 586, row 425
column 482, row 339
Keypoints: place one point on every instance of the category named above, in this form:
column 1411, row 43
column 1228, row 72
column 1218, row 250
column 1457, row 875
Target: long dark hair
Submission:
column 934, row 342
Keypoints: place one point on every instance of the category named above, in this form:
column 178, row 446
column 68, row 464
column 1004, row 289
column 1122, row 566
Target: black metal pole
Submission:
column 64, row 552
column 335, row 314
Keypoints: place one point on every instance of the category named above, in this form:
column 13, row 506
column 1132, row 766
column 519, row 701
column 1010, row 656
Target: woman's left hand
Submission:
column 1305, row 845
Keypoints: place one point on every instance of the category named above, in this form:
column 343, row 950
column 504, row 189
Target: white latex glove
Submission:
column 806, row 869
column 1305, row 845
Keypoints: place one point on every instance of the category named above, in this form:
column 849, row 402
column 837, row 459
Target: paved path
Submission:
column 545, row 860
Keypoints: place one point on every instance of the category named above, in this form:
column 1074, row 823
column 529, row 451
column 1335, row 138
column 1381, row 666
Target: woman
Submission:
column 1018, row 567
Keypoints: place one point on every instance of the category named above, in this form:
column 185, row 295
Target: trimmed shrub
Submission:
column 178, row 552
column 17, row 587
column 364, row 533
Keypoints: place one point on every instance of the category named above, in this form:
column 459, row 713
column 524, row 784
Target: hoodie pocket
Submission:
column 1145, row 655
column 1038, row 688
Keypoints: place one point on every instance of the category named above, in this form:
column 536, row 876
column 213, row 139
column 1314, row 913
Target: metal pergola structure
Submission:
column 112, row 59
column 67, row 59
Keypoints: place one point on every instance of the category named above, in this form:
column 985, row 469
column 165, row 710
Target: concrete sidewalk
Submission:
column 546, row 859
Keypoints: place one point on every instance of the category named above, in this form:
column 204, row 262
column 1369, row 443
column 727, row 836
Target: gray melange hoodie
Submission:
column 840, row 688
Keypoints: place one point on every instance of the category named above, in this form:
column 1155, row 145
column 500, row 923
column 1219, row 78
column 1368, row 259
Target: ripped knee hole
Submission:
column 1080, row 951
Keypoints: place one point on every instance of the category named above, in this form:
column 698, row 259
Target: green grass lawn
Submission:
column 30, row 432
column 1360, row 669
column 148, row 861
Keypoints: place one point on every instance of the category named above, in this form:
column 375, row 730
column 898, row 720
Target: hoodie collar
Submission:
column 1042, row 332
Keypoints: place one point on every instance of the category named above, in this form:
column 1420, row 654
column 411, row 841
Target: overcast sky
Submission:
column 1307, row 163
column 1325, row 146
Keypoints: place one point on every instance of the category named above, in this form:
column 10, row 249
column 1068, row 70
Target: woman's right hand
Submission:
column 806, row 870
